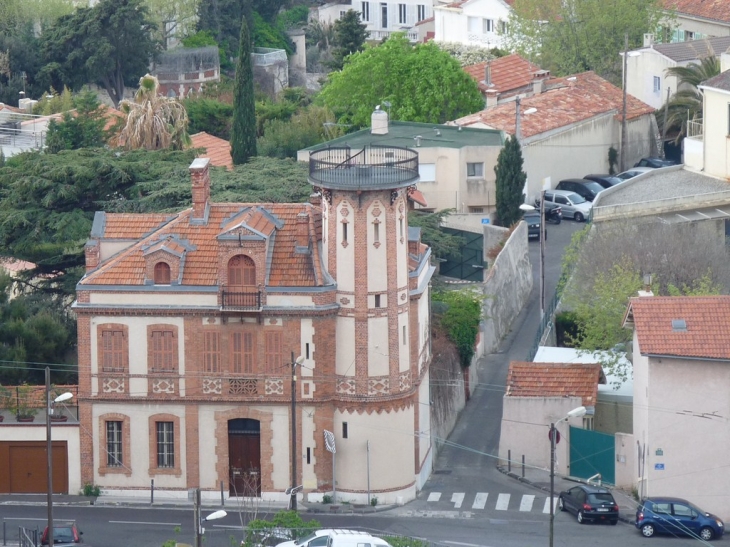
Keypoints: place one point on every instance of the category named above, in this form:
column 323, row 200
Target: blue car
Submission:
column 677, row 517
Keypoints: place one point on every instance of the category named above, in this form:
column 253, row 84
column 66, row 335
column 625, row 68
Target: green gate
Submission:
column 469, row 265
column 592, row 452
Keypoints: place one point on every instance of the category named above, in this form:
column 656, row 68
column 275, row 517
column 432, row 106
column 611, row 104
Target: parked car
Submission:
column 607, row 181
column 532, row 219
column 63, row 533
column 589, row 503
column 585, row 188
column 633, row 172
column 573, row 205
column 677, row 517
column 654, row 163
column 319, row 538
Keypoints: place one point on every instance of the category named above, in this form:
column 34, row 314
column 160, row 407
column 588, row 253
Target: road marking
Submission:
column 464, row 544
column 480, row 500
column 153, row 523
column 502, row 502
column 546, row 509
column 526, row 503
column 434, row 496
column 457, row 498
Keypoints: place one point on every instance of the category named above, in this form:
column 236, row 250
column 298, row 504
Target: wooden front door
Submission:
column 244, row 457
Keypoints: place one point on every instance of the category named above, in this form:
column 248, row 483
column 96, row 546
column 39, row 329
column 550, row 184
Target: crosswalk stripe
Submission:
column 546, row 509
column 457, row 498
column 434, row 496
column 526, row 503
column 480, row 500
column 502, row 502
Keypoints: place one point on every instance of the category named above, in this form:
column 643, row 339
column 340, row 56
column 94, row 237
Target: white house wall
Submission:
column 717, row 145
column 641, row 70
column 702, row 27
column 452, row 24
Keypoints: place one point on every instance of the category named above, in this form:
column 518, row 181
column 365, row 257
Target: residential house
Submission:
column 456, row 164
column 692, row 19
column 473, row 22
column 707, row 148
column 646, row 68
column 566, row 130
column 538, row 394
column 505, row 78
column 381, row 18
column 681, row 356
column 191, row 326
column 217, row 150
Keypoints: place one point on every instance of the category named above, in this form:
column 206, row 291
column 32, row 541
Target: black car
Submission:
column 587, row 189
column 654, row 163
column 607, row 181
column 676, row 516
column 533, row 224
column 589, row 504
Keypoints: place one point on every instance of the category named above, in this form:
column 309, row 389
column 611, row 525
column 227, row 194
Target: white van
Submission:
column 339, row 539
column 320, row 538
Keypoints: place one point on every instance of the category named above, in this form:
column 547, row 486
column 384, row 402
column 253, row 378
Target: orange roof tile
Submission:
column 555, row 380
column 216, row 149
column 706, row 320
column 132, row 225
column 566, row 101
column 508, row 73
column 717, row 10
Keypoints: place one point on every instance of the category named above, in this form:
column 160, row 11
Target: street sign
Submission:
column 329, row 441
column 658, row 467
column 557, row 435
column 484, row 221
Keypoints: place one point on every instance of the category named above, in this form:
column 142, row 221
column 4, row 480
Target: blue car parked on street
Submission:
column 677, row 517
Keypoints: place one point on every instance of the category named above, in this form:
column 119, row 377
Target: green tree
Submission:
column 110, row 44
column 283, row 138
column 686, row 103
column 20, row 61
column 443, row 245
column 243, row 130
column 172, row 18
column 83, row 128
column 571, row 36
column 421, row 82
column 209, row 115
column 460, row 313
column 510, row 183
column 349, row 36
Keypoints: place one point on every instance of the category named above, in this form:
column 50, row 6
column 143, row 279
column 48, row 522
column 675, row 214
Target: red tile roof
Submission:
column 286, row 268
column 555, row 380
column 132, row 225
column 566, row 101
column 508, row 73
column 717, row 10
column 707, row 320
column 216, row 149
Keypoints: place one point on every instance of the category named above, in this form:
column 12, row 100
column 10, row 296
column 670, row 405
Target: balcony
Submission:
column 372, row 168
column 241, row 301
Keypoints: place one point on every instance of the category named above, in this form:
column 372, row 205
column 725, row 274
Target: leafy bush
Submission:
column 405, row 541
column 470, row 54
column 463, row 311
column 91, row 490
column 290, row 521
column 326, row 498
column 209, row 115
column 282, row 138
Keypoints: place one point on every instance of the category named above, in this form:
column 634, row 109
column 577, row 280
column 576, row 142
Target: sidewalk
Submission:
column 540, row 478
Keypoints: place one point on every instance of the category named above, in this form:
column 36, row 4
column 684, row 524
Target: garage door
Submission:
column 23, row 466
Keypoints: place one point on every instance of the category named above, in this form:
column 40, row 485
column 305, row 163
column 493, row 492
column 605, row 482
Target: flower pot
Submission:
column 59, row 418
column 26, row 418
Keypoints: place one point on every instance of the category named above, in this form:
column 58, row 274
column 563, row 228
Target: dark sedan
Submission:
column 589, row 504
column 607, row 181
column 654, row 163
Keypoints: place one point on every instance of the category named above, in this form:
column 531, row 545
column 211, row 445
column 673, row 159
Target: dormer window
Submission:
column 162, row 273
column 241, row 271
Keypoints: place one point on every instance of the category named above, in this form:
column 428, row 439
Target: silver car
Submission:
column 574, row 206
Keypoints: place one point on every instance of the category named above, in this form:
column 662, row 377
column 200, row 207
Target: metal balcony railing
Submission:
column 241, row 300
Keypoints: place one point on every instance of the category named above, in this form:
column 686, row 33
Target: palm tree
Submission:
column 686, row 103
column 153, row 121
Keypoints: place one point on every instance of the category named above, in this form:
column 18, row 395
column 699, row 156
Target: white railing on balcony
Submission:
column 265, row 56
column 694, row 129
column 383, row 34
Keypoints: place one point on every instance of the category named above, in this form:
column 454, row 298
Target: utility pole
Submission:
column 622, row 157
column 49, row 454
column 518, row 129
column 293, row 431
column 664, row 126
column 196, row 516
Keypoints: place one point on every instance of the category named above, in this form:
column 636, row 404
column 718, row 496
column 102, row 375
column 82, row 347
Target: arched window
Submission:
column 162, row 273
column 241, row 271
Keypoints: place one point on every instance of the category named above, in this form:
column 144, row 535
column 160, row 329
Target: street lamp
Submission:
column 294, row 489
column 200, row 531
column 575, row 413
column 526, row 207
column 49, row 449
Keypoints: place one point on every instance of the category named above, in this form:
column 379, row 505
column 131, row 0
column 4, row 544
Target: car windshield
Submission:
column 62, row 534
column 576, row 199
column 306, row 539
column 600, row 498
column 626, row 175
column 594, row 186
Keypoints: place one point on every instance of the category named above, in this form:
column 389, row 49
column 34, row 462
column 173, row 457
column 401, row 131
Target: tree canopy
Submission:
column 83, row 128
column 572, row 36
column 421, row 82
column 110, row 44
column 349, row 37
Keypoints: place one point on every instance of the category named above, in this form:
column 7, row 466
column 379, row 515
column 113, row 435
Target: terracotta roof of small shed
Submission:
column 555, row 380
column 681, row 326
column 216, row 149
column 716, row 10
column 508, row 73
column 565, row 102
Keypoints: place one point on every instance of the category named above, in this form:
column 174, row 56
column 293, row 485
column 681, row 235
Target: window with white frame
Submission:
column 473, row 24
column 342, row 14
column 365, row 10
column 474, row 170
column 421, row 12
column 657, row 84
column 427, row 172
column 487, row 26
column 588, row 423
column 383, row 15
column 165, row 444
column 401, row 14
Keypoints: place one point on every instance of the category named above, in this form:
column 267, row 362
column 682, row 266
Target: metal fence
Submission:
column 694, row 128
column 265, row 56
column 545, row 322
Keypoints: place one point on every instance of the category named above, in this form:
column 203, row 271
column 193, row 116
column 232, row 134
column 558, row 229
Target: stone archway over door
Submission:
column 244, row 457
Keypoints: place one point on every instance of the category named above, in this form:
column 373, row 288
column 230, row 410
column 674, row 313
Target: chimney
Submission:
column 492, row 96
column 488, row 74
column 302, row 234
column 92, row 253
column 200, row 178
column 315, row 199
column 538, row 81
column 648, row 39
column 647, row 286
column 379, row 122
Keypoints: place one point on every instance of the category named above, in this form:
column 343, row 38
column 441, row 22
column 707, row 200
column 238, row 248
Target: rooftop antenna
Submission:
column 387, row 106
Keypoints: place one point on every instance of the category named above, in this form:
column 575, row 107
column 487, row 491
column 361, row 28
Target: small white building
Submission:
column 381, row 18
column 473, row 22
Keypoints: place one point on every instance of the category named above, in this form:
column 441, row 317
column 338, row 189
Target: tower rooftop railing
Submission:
column 372, row 167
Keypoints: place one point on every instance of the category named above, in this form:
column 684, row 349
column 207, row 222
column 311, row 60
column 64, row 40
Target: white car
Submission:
column 319, row 538
column 573, row 205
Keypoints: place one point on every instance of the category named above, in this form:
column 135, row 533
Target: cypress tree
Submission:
column 510, row 182
column 243, row 129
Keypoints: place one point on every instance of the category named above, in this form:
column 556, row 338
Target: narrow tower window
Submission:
column 344, row 231
column 376, row 233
